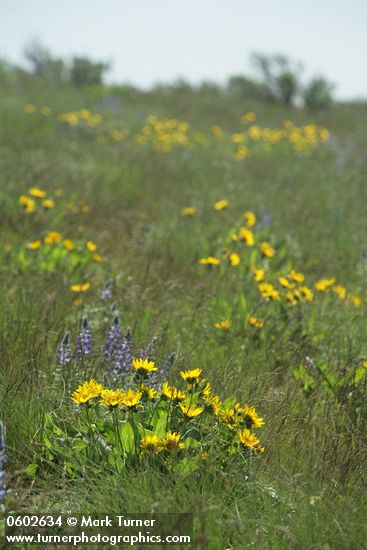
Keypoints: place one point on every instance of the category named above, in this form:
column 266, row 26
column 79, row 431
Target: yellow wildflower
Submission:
column 305, row 294
column 171, row 442
column 213, row 403
column 29, row 108
column 247, row 236
column 191, row 376
column 87, row 391
column 151, row 393
column 188, row 211
column 323, row 285
column 284, row 282
column 35, row 245
column 259, row 273
column 111, row 398
column 28, row 204
column 217, row 132
column 356, row 300
column 152, row 444
column 296, row 276
column 97, row 258
column 340, row 291
column 191, row 411
column 255, row 322
column 210, row 260
column 230, row 416
column 68, row 244
column 249, row 440
column 268, row 291
column 37, row 192
column 82, row 287
column 267, row 250
column 53, row 237
column 131, row 398
column 172, row 393
column 238, row 138
column 46, row 111
column 248, row 117
column 48, row 204
column 234, row 259
column 223, row 325
column 251, row 417
column 221, row 204
column 250, row 218
column 92, row 247
column 144, row 365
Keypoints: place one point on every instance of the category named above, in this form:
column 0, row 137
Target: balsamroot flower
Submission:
column 251, row 418
column 111, row 398
column 152, row 444
column 86, row 392
column 191, row 376
column 172, row 443
column 190, row 411
column 84, row 342
column 171, row 393
column 63, row 352
column 144, row 366
column 250, row 441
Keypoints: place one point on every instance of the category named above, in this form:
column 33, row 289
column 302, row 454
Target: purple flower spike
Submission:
column 84, row 342
column 113, row 338
column 63, row 352
column 106, row 291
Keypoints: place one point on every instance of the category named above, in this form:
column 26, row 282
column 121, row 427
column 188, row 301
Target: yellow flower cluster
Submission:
column 83, row 116
column 29, row 203
column 91, row 389
column 154, row 444
column 291, row 287
column 179, row 408
column 164, row 134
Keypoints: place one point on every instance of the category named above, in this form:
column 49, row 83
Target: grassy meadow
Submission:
column 148, row 190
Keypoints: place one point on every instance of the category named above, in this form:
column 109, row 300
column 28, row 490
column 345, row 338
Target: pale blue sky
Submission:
column 160, row 40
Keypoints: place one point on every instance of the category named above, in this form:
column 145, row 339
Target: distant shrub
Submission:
column 279, row 76
column 243, row 87
column 318, row 93
column 85, row 71
column 43, row 64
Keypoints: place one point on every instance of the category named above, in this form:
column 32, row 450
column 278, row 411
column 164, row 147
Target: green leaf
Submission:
column 359, row 373
column 159, row 418
column 32, row 470
column 127, row 437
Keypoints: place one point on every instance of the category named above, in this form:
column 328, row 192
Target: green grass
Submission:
column 308, row 490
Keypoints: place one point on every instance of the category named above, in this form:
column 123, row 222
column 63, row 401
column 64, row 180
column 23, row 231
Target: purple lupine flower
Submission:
column 63, row 352
column 3, row 458
column 265, row 220
column 106, row 291
column 128, row 359
column 148, row 351
column 113, row 338
column 123, row 356
column 84, row 341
